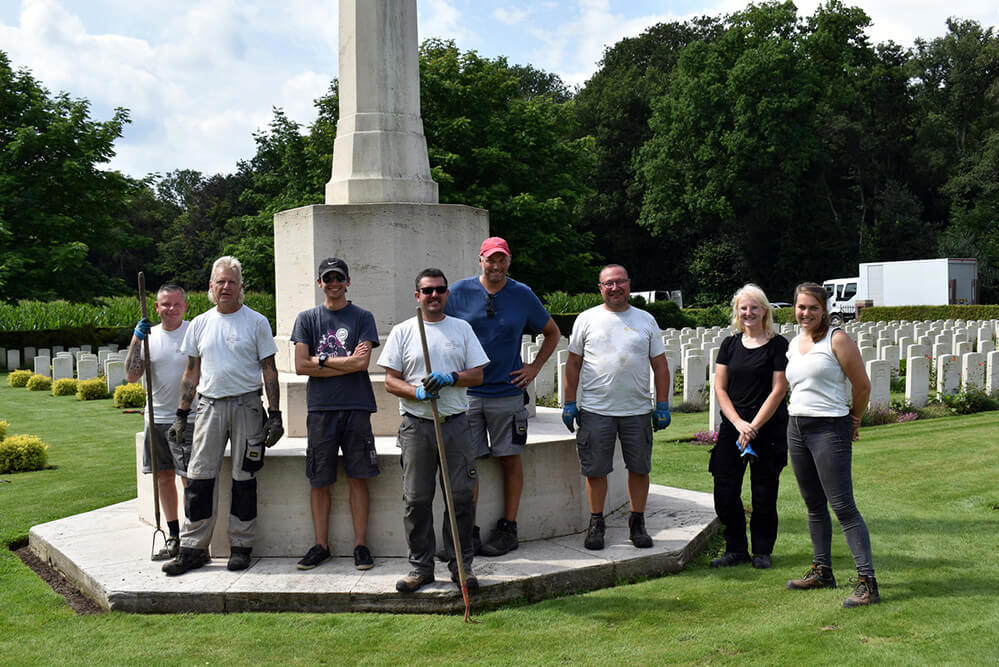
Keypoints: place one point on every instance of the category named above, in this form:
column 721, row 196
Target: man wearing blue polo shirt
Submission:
column 499, row 309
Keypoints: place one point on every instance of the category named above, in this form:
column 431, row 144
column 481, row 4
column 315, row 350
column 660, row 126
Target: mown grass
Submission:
column 927, row 490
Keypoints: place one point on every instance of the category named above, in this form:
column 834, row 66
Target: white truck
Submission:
column 916, row 282
column 652, row 296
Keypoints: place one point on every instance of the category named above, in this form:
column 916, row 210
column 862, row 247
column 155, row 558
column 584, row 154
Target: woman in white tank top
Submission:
column 824, row 420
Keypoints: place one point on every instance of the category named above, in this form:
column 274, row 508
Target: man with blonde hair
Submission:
column 228, row 349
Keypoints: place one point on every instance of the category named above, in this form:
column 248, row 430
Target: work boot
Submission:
column 471, row 581
column 503, row 540
column 239, row 558
column 865, row 593
column 595, row 533
column 413, row 581
column 186, row 560
column 820, row 576
column 730, row 558
column 169, row 550
column 762, row 561
column 639, row 536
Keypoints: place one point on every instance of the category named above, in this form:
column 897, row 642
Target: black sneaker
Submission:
column 186, row 560
column 413, row 581
column 595, row 534
column 317, row 554
column 762, row 561
column 639, row 536
column 865, row 593
column 239, row 558
column 362, row 558
column 169, row 550
column 503, row 540
column 819, row 576
column 471, row 581
column 730, row 558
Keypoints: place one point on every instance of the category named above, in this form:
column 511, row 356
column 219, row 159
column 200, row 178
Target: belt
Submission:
column 443, row 420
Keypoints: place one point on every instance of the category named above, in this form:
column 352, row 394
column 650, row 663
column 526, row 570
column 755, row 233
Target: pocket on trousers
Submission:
column 253, row 458
column 519, row 436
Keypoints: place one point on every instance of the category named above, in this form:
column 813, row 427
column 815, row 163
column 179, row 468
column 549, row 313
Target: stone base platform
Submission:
column 106, row 552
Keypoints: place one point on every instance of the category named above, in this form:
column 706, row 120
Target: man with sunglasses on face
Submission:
column 456, row 358
column 499, row 309
column 333, row 344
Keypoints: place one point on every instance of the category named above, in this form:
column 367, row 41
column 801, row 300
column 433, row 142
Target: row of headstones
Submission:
column 61, row 366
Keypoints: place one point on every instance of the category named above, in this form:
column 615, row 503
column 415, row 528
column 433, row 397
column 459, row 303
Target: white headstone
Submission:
column 62, row 367
column 42, row 365
column 879, row 371
column 917, row 380
column 13, row 360
column 986, row 346
column 56, row 349
column 30, row 353
column 74, row 351
column 868, row 353
column 948, row 374
column 992, row 372
column 714, row 409
column 86, row 367
column 114, row 374
column 961, row 348
column 44, row 352
column 86, row 348
column 890, row 353
column 693, row 378
column 102, row 356
column 973, row 370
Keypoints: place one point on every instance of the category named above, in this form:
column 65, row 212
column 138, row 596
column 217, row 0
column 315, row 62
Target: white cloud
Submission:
column 511, row 15
column 441, row 18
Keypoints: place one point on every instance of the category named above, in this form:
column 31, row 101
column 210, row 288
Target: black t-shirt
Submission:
column 751, row 373
column 337, row 333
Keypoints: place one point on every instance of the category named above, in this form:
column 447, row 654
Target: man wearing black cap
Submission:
column 333, row 343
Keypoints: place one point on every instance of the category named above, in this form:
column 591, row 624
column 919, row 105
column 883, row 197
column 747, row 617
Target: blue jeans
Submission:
column 821, row 450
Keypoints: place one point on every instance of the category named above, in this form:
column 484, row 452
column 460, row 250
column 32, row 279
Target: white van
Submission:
column 842, row 301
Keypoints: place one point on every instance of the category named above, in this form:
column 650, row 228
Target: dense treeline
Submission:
column 759, row 146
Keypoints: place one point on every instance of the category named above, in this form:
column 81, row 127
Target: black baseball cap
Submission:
column 333, row 264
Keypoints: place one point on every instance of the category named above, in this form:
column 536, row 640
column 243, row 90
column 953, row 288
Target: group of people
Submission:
column 209, row 374
column 829, row 390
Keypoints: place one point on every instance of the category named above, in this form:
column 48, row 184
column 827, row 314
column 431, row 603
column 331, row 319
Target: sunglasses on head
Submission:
column 334, row 277
column 440, row 289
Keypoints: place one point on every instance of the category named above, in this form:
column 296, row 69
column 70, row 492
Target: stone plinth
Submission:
column 553, row 502
column 385, row 246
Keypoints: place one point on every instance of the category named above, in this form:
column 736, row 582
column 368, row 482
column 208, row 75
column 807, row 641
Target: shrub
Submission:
column 129, row 395
column 64, row 387
column 39, row 382
column 689, row 406
column 917, row 313
column 969, row 400
column 3, row 428
column 706, row 437
column 19, row 378
column 933, row 411
column 91, row 390
column 20, row 453
column 878, row 416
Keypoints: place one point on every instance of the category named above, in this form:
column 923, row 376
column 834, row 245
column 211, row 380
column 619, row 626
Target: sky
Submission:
column 200, row 77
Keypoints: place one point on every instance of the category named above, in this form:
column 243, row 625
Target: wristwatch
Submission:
column 322, row 359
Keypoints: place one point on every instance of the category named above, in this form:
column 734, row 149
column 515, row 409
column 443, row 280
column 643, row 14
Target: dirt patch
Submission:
column 76, row 600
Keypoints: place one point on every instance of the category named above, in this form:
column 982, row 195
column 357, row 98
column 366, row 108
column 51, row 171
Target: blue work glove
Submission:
column 661, row 417
column 436, row 380
column 142, row 328
column 748, row 451
column 570, row 415
column 422, row 394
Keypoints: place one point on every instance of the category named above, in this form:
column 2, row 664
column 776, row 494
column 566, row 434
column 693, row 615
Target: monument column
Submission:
column 381, row 213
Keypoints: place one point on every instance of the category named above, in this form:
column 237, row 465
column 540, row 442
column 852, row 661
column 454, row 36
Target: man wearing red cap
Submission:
column 499, row 309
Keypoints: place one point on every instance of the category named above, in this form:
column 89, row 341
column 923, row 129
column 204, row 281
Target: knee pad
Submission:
column 244, row 499
column 198, row 499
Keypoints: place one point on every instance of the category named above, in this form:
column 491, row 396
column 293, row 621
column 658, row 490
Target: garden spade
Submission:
column 153, row 433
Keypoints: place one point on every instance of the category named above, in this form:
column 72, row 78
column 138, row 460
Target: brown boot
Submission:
column 865, row 593
column 819, row 576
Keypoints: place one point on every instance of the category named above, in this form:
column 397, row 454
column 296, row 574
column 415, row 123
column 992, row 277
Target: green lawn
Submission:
column 928, row 490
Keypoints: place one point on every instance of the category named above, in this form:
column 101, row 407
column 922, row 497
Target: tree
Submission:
column 56, row 205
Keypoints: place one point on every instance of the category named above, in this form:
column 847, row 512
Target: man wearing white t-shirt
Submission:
column 228, row 348
column 610, row 352
column 166, row 368
column 457, row 359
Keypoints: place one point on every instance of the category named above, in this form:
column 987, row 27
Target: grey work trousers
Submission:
column 420, row 470
column 238, row 420
column 821, row 452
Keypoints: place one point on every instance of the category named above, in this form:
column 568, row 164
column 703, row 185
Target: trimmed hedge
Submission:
column 93, row 389
column 3, row 428
column 39, row 382
column 131, row 395
column 918, row 313
column 22, row 453
column 64, row 387
column 20, row 378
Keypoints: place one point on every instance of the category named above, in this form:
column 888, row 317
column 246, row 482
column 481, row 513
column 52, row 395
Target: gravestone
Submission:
column 903, row 346
column 868, row 353
column 56, row 349
column 89, row 349
column 948, row 374
column 114, row 374
column 940, row 350
column 879, row 371
column 13, row 360
column 973, row 370
column 62, row 367
column 102, row 356
column 86, row 367
column 74, row 351
column 44, row 352
column 962, row 348
column 917, row 381
column 890, row 353
column 694, row 378
column 714, row 408
column 992, row 372
column 43, row 365
column 986, row 346
column 30, row 353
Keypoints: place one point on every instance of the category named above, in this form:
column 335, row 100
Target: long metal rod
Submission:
column 151, row 425
column 445, row 475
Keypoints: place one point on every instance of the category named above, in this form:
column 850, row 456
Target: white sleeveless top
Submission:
column 818, row 383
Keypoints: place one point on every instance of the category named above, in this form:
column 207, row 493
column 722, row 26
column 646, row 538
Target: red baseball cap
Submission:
column 494, row 244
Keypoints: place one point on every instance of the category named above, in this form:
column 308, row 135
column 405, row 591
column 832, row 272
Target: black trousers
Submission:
column 729, row 468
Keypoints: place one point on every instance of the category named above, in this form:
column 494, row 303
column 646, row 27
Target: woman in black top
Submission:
column 750, row 385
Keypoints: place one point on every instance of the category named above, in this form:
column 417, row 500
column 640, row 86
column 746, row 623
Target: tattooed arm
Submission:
column 134, row 365
column 271, row 387
column 189, row 383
